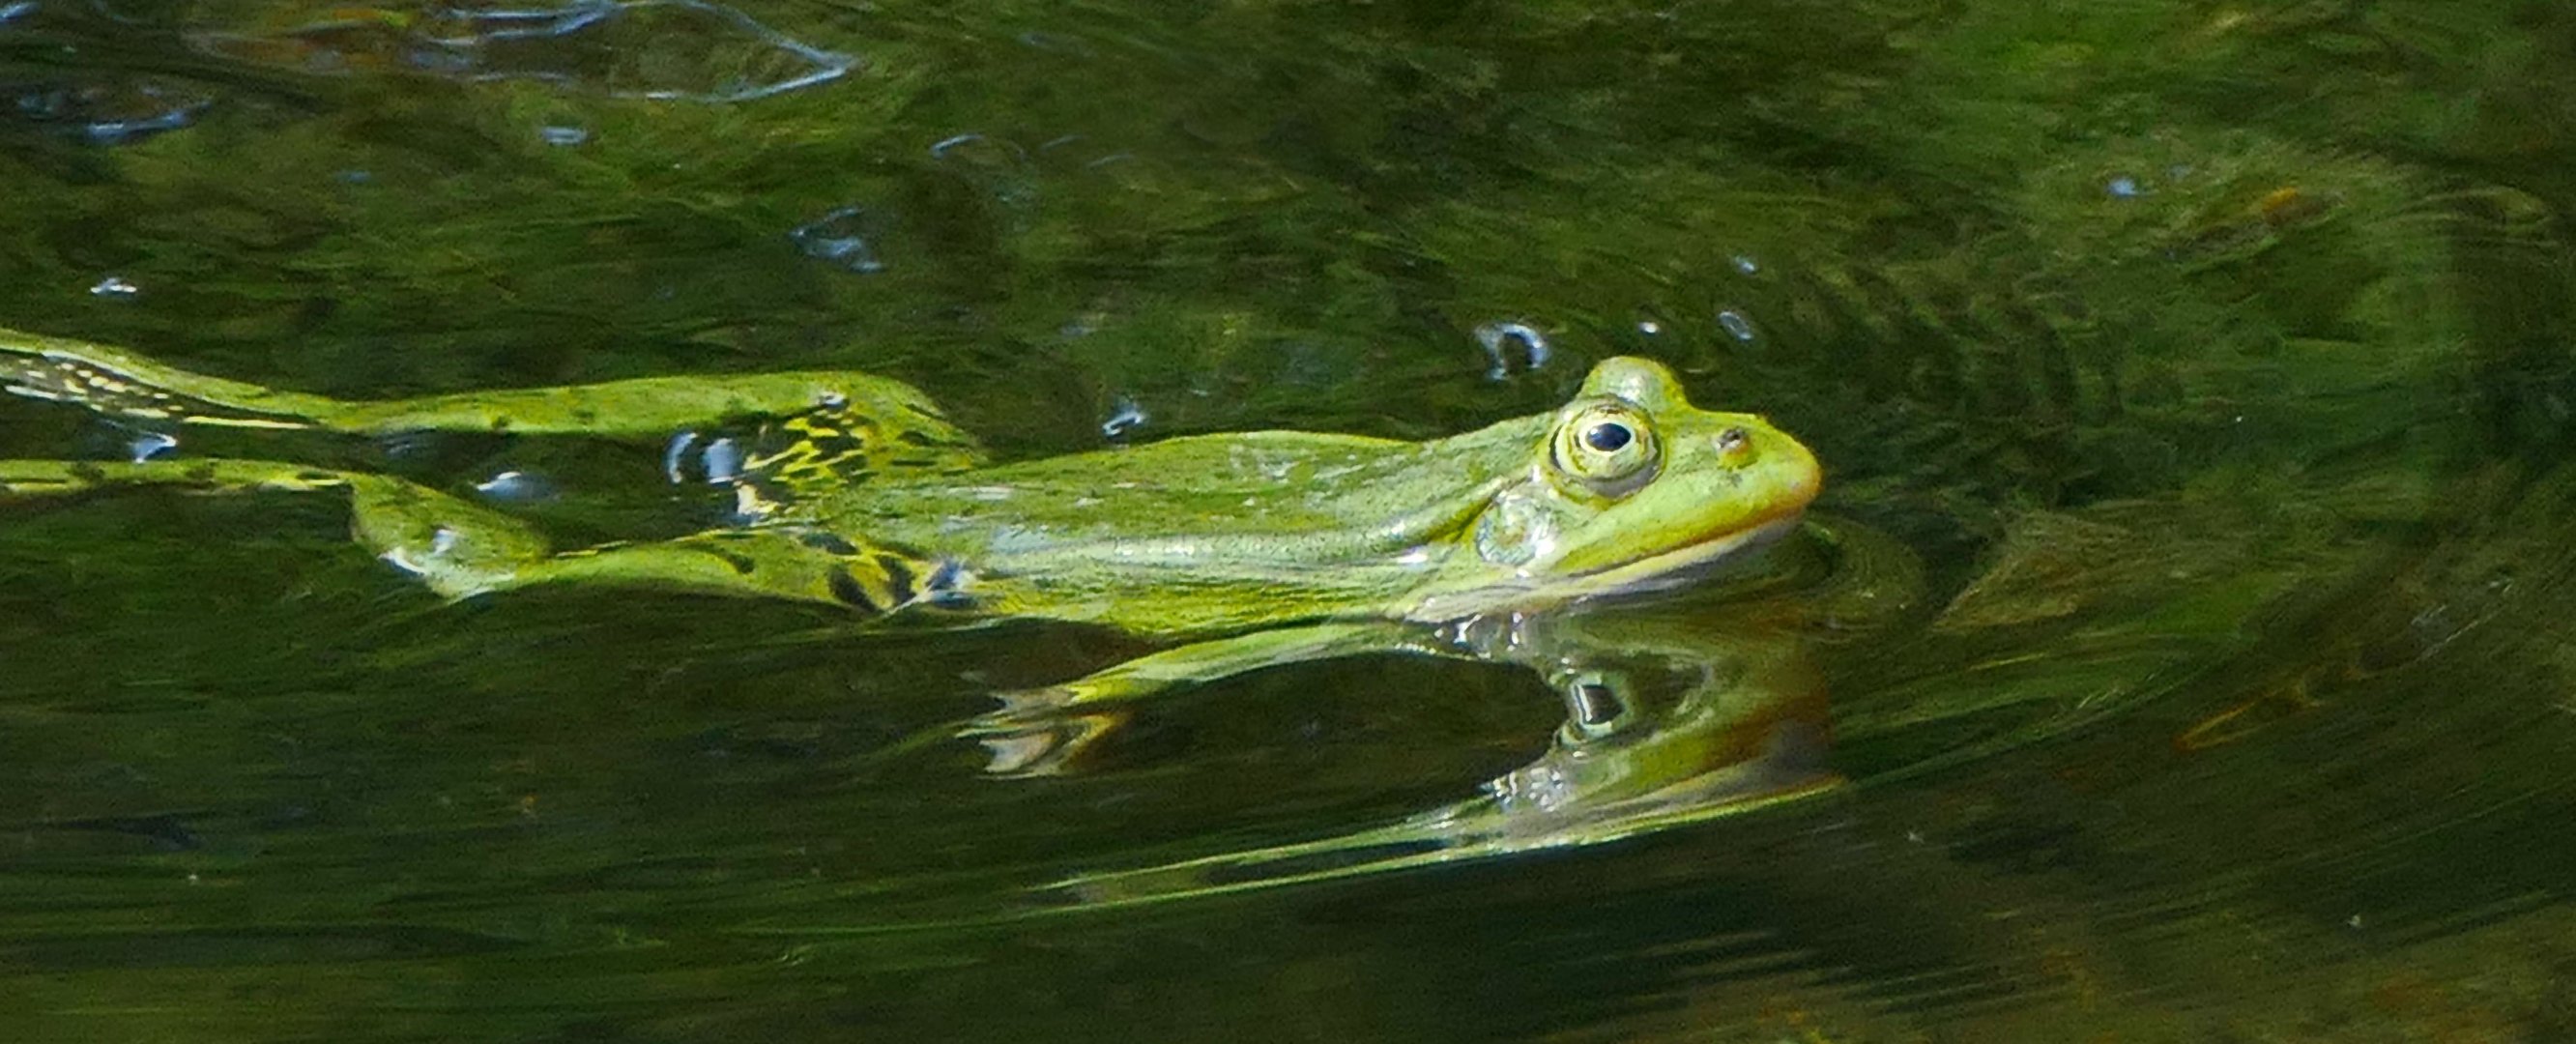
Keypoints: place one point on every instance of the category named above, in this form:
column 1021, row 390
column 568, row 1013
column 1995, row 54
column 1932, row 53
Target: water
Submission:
column 2209, row 364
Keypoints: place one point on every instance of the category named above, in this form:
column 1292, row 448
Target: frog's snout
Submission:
column 1802, row 475
column 1795, row 475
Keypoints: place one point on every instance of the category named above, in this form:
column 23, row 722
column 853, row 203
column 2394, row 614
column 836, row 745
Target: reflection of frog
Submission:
column 1267, row 547
column 1677, row 711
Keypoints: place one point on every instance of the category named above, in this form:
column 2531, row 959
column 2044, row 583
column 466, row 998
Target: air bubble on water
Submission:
column 563, row 135
column 716, row 462
column 115, row 287
column 14, row 11
column 723, row 460
column 1737, row 326
column 515, row 487
column 2123, row 187
column 838, row 238
column 1650, row 323
column 1512, row 347
column 151, row 444
column 677, row 453
column 1125, row 416
column 1744, row 263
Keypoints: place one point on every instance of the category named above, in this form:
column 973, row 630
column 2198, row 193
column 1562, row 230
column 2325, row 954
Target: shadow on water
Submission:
column 2187, row 610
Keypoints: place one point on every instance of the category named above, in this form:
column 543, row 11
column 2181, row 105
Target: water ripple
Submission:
column 668, row 50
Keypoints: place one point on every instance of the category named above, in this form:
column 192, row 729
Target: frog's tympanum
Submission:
column 853, row 490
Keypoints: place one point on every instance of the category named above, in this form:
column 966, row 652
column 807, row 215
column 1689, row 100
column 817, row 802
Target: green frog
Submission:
column 854, row 490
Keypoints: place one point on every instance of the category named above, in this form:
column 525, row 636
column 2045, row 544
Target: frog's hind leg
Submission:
column 805, row 566
column 31, row 479
column 461, row 550
column 827, row 413
column 119, row 383
column 803, row 430
column 458, row 549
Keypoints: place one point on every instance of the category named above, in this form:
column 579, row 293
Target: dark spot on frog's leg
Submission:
column 846, row 588
column 916, row 438
column 88, row 472
column 899, row 577
column 500, row 424
column 826, row 542
column 199, row 473
column 585, row 415
column 316, row 476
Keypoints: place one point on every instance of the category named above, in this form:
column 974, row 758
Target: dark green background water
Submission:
column 2214, row 359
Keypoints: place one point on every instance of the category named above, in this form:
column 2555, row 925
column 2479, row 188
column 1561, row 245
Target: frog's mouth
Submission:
column 1678, row 566
column 1671, row 568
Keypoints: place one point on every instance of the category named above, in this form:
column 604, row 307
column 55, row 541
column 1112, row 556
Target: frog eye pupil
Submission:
column 1608, row 438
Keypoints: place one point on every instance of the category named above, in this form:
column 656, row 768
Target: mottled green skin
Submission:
column 861, row 494
column 1224, row 532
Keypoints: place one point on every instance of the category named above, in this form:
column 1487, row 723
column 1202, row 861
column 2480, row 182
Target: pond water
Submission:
column 2193, row 382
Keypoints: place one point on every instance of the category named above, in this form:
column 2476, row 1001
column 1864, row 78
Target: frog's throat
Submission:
column 1528, row 593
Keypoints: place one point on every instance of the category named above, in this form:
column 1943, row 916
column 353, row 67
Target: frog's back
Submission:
column 1343, row 517
column 1261, row 484
column 1196, row 533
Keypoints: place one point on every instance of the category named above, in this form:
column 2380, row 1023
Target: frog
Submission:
column 1235, row 551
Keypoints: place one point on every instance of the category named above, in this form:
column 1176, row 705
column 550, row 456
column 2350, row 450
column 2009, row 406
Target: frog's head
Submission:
column 1630, row 483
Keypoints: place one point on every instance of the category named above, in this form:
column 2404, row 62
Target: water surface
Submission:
column 2211, row 362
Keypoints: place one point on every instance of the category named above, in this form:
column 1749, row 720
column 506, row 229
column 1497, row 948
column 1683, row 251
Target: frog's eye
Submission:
column 1609, row 447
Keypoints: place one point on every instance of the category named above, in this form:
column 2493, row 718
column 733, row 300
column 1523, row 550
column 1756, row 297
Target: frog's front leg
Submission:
column 1041, row 731
column 461, row 550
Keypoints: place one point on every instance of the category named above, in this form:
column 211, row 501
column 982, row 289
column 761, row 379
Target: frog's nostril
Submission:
column 1733, row 439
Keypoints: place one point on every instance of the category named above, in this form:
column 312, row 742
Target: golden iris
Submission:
column 1609, row 447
